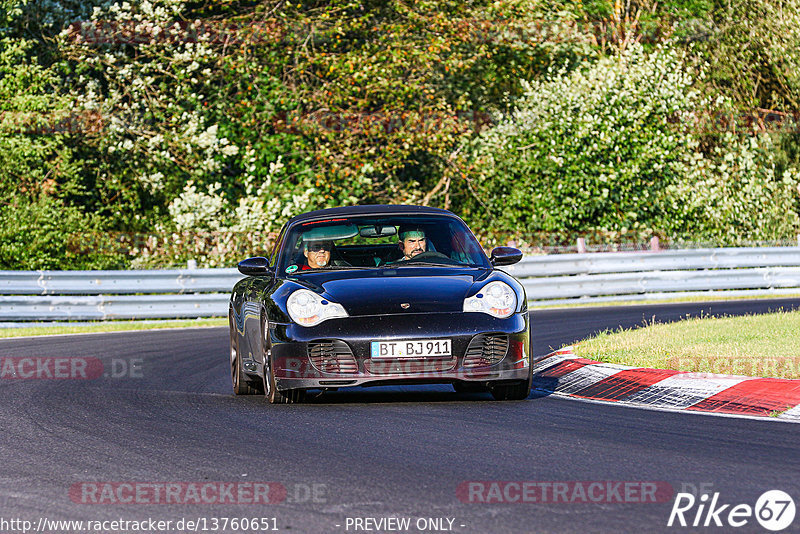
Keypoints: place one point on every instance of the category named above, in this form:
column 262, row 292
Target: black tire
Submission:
column 241, row 386
column 289, row 396
column 470, row 387
column 513, row 391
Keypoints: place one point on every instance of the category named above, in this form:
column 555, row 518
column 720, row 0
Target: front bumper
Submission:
column 293, row 368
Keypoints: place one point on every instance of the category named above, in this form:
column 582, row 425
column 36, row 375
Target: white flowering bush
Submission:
column 180, row 127
column 155, row 103
column 198, row 210
column 216, row 232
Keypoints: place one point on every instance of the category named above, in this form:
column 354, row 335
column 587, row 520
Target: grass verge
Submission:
column 710, row 298
column 108, row 326
column 765, row 345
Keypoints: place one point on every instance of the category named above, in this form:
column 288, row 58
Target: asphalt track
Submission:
column 368, row 453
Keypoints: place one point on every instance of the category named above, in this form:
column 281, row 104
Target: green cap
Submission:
column 413, row 232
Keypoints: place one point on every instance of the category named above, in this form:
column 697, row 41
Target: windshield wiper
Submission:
column 328, row 269
column 343, row 268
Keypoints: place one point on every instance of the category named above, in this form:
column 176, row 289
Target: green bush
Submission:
column 593, row 150
column 614, row 148
column 737, row 194
column 47, row 234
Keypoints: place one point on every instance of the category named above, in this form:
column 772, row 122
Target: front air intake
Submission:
column 332, row 356
column 485, row 350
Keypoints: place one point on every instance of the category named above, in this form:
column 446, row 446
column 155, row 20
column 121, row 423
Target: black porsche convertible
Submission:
column 378, row 295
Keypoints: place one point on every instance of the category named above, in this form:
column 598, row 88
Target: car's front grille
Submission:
column 332, row 356
column 485, row 350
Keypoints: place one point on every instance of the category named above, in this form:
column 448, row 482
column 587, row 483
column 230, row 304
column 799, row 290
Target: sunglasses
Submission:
column 316, row 247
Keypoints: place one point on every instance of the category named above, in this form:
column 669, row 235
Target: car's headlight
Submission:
column 306, row 308
column 495, row 298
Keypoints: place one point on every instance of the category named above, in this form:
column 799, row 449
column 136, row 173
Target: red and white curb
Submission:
column 563, row 373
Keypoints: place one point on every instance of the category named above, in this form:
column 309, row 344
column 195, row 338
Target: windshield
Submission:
column 380, row 242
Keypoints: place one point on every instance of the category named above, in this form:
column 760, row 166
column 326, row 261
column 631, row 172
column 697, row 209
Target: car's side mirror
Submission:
column 257, row 266
column 505, row 256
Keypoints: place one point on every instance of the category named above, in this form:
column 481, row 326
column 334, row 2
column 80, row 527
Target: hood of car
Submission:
column 401, row 290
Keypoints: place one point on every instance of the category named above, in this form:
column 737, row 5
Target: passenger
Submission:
column 318, row 254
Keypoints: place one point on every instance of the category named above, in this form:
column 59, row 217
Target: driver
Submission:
column 412, row 242
column 317, row 253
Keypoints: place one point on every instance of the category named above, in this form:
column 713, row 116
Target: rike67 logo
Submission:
column 774, row 510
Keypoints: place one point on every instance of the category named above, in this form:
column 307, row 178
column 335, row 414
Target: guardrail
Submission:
column 548, row 280
column 631, row 276
column 178, row 281
column 104, row 295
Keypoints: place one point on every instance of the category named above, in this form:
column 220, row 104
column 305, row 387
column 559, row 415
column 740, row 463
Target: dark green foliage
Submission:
column 317, row 104
column 47, row 234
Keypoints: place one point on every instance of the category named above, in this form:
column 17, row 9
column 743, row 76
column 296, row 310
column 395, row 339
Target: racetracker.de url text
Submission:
column 149, row 525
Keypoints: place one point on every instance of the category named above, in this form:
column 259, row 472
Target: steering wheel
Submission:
column 432, row 255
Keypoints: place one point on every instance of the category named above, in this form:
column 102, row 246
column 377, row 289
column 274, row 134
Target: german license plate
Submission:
column 421, row 348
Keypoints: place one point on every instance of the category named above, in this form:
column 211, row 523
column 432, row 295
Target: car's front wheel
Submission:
column 290, row 396
column 505, row 391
